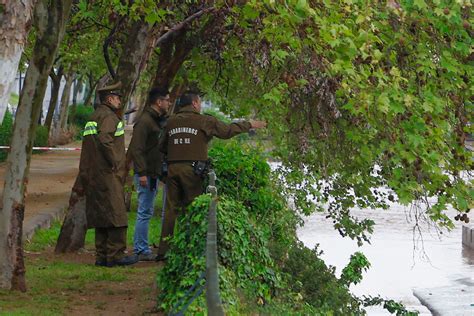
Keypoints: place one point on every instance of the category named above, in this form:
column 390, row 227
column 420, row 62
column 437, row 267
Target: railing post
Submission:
column 214, row 304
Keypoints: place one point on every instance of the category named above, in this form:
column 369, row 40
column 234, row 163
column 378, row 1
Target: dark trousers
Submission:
column 110, row 243
column 182, row 187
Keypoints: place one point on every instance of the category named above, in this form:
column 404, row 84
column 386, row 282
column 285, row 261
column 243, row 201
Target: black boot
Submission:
column 125, row 261
column 100, row 262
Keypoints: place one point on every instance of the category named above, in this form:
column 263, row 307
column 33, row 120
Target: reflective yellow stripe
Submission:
column 120, row 129
column 90, row 128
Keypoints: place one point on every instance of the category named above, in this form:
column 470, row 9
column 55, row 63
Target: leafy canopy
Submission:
column 368, row 102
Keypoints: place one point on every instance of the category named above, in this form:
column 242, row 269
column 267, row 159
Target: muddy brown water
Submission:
column 401, row 258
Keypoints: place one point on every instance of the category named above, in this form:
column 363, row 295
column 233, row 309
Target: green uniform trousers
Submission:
column 110, row 243
column 182, row 187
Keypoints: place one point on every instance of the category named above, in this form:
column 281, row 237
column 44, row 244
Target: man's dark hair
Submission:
column 156, row 94
column 187, row 98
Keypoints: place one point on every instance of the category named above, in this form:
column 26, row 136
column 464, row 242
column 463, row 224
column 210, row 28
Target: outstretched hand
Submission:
column 258, row 124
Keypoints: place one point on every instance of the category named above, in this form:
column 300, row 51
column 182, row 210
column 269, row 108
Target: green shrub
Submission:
column 306, row 273
column 6, row 129
column 241, row 171
column 81, row 115
column 262, row 266
column 41, row 136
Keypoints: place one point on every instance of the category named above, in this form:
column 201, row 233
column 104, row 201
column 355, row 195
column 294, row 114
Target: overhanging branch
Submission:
column 163, row 38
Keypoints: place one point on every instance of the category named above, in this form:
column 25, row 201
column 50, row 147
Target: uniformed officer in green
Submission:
column 185, row 142
column 102, row 172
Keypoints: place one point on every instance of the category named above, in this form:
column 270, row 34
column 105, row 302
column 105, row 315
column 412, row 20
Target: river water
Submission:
column 400, row 260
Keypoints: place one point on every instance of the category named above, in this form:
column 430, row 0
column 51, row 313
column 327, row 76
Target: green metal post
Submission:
column 213, row 298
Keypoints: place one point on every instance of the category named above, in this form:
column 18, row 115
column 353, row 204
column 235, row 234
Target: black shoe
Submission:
column 146, row 257
column 159, row 258
column 125, row 261
column 101, row 263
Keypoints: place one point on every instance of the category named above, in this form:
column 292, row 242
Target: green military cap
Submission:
column 110, row 89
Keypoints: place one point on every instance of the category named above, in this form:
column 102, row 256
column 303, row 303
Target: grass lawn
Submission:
column 71, row 284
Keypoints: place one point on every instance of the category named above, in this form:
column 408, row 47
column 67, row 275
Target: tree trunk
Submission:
column 102, row 82
column 74, row 228
column 65, row 103
column 134, row 57
column 56, row 84
column 77, row 88
column 175, row 50
column 15, row 22
column 88, row 98
column 172, row 56
column 50, row 22
column 90, row 92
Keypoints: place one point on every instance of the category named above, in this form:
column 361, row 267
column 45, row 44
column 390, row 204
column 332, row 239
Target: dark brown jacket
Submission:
column 144, row 147
column 188, row 133
column 101, row 169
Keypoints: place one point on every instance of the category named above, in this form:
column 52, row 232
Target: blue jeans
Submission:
column 146, row 199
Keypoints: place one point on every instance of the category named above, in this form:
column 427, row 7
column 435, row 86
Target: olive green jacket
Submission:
column 188, row 133
column 102, row 169
column 144, row 146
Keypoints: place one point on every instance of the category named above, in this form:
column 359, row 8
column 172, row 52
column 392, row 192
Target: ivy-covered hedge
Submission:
column 262, row 264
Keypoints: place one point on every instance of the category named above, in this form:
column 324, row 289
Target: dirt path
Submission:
column 51, row 177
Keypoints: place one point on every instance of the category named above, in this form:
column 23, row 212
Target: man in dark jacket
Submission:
column 185, row 142
column 102, row 168
column 147, row 162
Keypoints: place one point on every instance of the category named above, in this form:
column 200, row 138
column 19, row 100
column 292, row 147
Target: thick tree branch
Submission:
column 106, row 45
column 163, row 38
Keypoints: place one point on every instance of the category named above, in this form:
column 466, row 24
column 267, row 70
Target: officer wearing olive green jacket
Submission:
column 185, row 142
column 101, row 170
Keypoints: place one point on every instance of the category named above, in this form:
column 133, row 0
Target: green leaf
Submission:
column 250, row 12
column 421, row 4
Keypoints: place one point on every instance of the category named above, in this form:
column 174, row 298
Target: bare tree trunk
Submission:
column 102, row 82
column 134, row 57
column 74, row 228
column 56, row 84
column 50, row 22
column 172, row 56
column 77, row 88
column 15, row 18
column 177, row 90
column 92, row 84
column 65, row 103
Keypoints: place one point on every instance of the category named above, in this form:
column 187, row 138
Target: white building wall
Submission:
column 20, row 77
